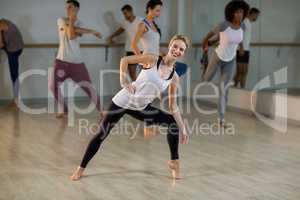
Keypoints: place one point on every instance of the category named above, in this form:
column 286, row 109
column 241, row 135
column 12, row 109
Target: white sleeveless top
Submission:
column 230, row 39
column 149, row 84
column 150, row 40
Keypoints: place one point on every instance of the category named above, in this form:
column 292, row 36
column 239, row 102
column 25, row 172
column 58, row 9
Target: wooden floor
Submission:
column 38, row 154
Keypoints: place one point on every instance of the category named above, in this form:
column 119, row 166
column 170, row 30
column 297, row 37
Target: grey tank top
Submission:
column 150, row 40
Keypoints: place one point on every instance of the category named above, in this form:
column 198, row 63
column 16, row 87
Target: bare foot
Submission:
column 77, row 174
column 12, row 105
column 150, row 132
column 222, row 124
column 61, row 115
column 174, row 167
column 102, row 114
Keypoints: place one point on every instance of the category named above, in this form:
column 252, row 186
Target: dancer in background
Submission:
column 68, row 63
column 148, row 33
column 129, row 26
column 12, row 42
column 223, row 58
column 243, row 53
column 135, row 100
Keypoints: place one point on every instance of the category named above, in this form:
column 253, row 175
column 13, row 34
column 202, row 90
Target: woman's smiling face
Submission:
column 177, row 49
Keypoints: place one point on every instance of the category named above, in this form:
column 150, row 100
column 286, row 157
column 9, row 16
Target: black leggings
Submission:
column 150, row 115
column 13, row 61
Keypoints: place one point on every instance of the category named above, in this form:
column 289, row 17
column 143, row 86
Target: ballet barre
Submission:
column 103, row 45
column 118, row 45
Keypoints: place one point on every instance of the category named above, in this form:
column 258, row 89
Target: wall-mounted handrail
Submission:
column 195, row 45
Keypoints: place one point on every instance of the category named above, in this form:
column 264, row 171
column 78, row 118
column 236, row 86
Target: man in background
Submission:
column 243, row 54
column 128, row 26
column 68, row 63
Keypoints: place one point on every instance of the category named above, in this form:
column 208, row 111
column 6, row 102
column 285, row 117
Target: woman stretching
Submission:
column 135, row 100
column 230, row 33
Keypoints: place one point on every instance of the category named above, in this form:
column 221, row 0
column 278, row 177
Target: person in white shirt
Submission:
column 68, row 63
column 243, row 53
column 230, row 33
column 135, row 99
column 129, row 27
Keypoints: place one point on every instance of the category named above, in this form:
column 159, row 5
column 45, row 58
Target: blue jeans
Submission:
column 227, row 72
column 13, row 61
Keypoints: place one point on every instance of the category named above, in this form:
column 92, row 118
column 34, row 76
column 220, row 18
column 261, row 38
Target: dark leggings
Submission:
column 13, row 61
column 150, row 115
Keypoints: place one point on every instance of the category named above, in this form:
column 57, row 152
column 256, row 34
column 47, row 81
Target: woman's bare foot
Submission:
column 150, row 131
column 174, row 167
column 61, row 115
column 12, row 105
column 102, row 114
column 222, row 123
column 77, row 174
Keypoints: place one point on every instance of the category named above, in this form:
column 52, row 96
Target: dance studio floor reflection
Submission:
column 39, row 152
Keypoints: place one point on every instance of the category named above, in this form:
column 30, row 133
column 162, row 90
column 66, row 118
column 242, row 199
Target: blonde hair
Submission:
column 183, row 38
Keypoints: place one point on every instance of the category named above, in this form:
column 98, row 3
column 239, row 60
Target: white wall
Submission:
column 37, row 18
column 37, row 22
column 279, row 22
